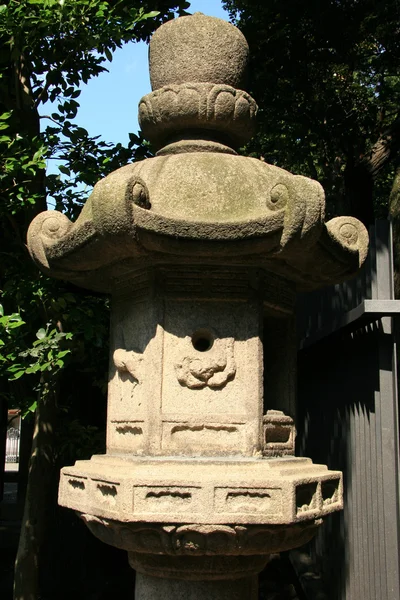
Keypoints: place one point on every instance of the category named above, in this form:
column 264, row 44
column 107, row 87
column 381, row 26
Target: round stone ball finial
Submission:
column 199, row 49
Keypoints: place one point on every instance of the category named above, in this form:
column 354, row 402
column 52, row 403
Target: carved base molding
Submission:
column 192, row 540
column 200, row 552
column 195, row 562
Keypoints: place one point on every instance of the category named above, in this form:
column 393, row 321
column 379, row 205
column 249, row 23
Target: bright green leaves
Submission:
column 150, row 15
column 10, row 339
column 46, row 355
column 8, row 323
column 4, row 118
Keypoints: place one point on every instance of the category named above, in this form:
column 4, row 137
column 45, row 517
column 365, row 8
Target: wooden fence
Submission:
column 348, row 419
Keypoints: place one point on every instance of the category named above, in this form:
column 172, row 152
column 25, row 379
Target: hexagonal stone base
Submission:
column 201, row 490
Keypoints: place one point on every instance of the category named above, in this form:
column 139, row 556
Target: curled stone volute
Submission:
column 350, row 234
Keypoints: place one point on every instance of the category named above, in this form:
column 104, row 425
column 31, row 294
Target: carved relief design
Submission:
column 211, row 368
column 198, row 105
column 307, row 497
column 106, row 492
column 292, row 492
column 134, row 428
column 129, row 366
column 248, row 500
column 279, row 197
column 304, row 203
column 140, row 193
column 77, row 483
column 163, row 499
column 46, row 229
column 201, row 540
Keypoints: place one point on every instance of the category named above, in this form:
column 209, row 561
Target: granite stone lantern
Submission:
column 202, row 252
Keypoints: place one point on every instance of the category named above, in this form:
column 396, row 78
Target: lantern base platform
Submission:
column 240, row 490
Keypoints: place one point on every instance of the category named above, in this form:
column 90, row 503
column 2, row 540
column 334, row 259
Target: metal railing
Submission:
column 12, row 445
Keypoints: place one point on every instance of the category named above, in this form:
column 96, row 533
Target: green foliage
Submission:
column 51, row 47
column 21, row 160
column 51, row 334
column 44, row 358
column 8, row 335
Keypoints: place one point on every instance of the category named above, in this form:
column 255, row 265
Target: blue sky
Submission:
column 109, row 102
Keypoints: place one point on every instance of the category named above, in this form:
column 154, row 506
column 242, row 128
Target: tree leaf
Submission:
column 41, row 333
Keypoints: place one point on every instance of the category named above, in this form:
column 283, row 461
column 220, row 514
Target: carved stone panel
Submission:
column 211, row 389
column 135, row 368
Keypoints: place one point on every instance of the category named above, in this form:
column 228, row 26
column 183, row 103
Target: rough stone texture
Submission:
column 188, row 369
column 198, row 49
column 203, row 251
column 222, row 109
column 278, row 491
column 201, row 206
column 279, row 434
column 197, row 200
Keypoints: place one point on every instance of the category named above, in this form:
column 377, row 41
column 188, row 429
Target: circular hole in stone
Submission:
column 202, row 340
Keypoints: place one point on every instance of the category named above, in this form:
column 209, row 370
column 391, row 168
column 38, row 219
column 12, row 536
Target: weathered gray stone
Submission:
column 199, row 205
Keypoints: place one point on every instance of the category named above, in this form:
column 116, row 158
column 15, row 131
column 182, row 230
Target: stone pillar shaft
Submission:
column 156, row 588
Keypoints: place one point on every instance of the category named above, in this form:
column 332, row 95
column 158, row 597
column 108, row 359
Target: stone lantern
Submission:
column 202, row 252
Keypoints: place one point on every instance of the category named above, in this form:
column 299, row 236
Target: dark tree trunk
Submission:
column 25, row 447
column 36, row 484
column 38, row 494
column 360, row 177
